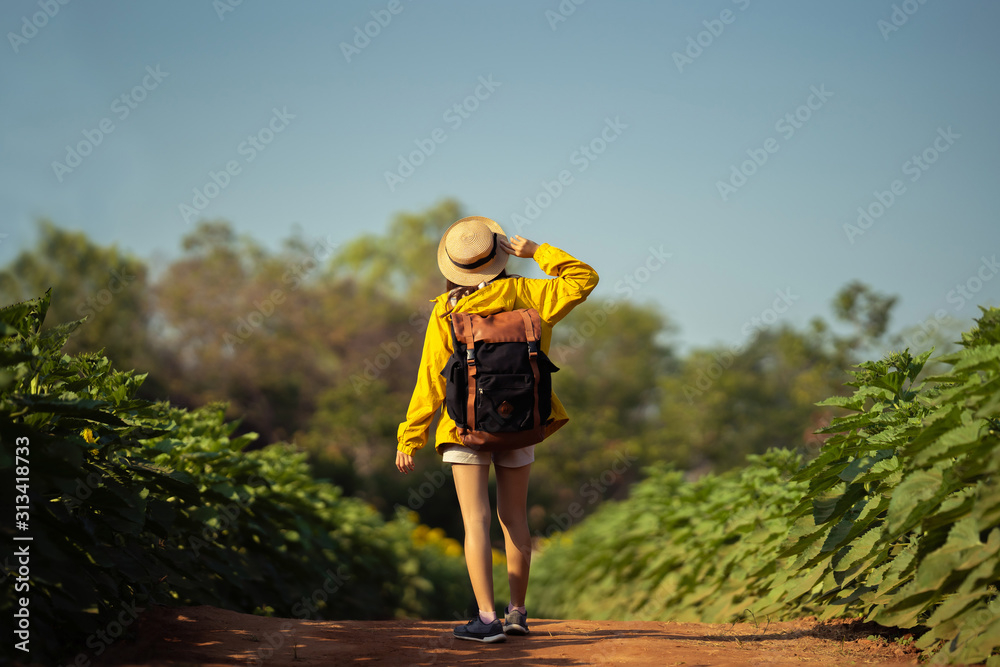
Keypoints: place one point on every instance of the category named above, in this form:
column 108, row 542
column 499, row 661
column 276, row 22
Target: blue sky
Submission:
column 804, row 111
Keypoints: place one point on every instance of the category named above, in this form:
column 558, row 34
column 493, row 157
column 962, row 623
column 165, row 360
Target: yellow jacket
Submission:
column 553, row 299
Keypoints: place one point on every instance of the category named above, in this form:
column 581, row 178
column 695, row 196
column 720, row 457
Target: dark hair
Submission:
column 449, row 286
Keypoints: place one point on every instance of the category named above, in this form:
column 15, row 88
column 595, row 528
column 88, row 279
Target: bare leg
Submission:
column 512, row 509
column 472, row 485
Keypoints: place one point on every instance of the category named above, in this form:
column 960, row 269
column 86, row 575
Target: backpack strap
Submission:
column 465, row 324
column 529, row 334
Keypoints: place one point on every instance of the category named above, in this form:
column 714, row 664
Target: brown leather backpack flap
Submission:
column 497, row 442
column 461, row 324
column 505, row 327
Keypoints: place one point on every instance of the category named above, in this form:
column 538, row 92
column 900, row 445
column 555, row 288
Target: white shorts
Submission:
column 512, row 458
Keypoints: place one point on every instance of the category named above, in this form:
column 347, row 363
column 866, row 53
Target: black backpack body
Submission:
column 499, row 382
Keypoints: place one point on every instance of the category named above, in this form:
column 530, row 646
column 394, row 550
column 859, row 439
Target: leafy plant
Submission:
column 137, row 503
column 675, row 549
column 896, row 519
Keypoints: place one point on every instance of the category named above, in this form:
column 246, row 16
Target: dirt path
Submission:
column 210, row 636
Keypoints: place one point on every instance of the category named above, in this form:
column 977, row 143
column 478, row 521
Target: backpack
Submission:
column 499, row 382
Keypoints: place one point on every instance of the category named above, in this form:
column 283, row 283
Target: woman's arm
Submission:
column 428, row 395
column 574, row 281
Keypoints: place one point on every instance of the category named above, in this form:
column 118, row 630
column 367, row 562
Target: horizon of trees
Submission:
column 318, row 344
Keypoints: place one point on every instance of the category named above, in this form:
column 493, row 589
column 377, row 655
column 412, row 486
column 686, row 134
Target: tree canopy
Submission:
column 317, row 343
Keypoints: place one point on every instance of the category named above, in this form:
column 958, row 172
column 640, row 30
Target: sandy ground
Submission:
column 209, row 636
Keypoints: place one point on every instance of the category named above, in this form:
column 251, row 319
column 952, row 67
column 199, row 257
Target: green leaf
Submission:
column 92, row 410
column 858, row 550
column 26, row 317
column 986, row 357
column 953, row 605
column 823, row 508
column 849, row 402
column 837, row 535
column 917, row 487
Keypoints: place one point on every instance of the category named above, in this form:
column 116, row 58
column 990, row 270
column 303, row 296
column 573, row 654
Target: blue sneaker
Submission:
column 515, row 623
column 477, row 631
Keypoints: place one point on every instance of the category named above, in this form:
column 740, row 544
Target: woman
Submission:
column 472, row 255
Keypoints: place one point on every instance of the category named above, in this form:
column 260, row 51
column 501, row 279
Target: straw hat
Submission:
column 470, row 252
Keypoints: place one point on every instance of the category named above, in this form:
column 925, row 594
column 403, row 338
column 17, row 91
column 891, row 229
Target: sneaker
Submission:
column 477, row 631
column 515, row 623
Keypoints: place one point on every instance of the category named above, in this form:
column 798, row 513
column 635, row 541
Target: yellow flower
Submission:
column 88, row 436
column 419, row 534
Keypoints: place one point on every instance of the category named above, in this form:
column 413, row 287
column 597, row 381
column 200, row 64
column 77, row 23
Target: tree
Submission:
column 403, row 261
column 868, row 311
column 610, row 354
column 106, row 286
column 266, row 332
column 726, row 403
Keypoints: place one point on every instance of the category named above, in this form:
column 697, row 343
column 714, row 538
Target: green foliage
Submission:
column 103, row 284
column 137, row 503
column 317, row 342
column 610, row 359
column 905, row 501
column 869, row 311
column 264, row 332
column 674, row 550
column 403, row 261
column 723, row 405
column 896, row 519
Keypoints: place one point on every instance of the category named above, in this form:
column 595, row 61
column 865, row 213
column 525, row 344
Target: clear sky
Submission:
column 739, row 137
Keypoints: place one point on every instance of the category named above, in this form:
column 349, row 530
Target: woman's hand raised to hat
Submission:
column 518, row 246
